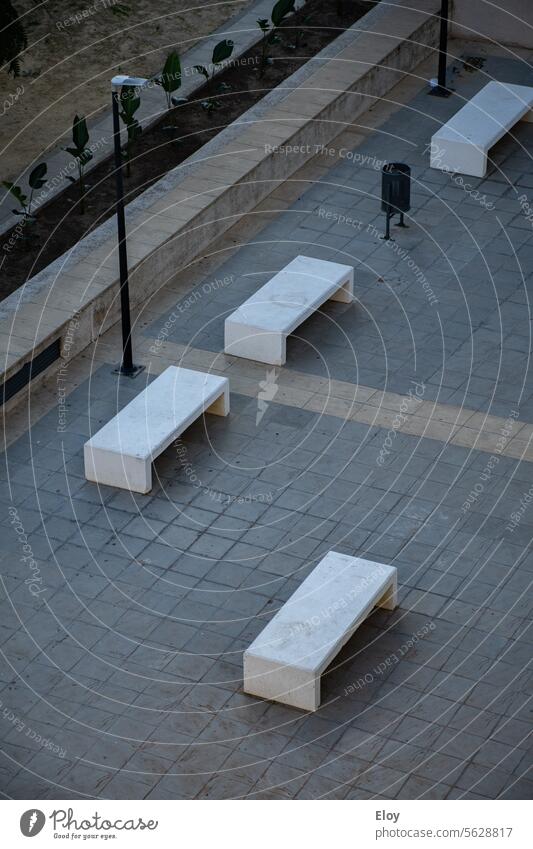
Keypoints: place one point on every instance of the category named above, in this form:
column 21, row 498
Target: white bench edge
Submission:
column 262, row 677
column 110, row 467
column 464, row 157
column 270, row 346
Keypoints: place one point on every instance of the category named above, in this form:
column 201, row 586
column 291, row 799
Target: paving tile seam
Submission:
column 359, row 403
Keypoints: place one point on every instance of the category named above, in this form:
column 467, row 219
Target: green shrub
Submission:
column 170, row 79
column 13, row 39
column 280, row 11
column 221, row 52
column 81, row 153
column 36, row 180
column 130, row 102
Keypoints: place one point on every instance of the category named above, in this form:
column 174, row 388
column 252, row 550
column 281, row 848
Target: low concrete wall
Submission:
column 242, row 27
column 507, row 22
column 177, row 219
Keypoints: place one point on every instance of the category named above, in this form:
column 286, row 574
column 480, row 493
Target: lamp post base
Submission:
column 439, row 91
column 133, row 371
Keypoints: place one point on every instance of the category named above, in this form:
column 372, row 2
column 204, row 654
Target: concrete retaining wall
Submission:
column 177, row 219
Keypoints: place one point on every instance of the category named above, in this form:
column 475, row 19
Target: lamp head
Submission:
column 122, row 79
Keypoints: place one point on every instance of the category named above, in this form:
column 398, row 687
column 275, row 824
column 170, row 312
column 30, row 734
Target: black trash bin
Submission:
column 395, row 191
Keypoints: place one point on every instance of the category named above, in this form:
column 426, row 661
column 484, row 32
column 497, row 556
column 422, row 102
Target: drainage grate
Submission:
column 28, row 371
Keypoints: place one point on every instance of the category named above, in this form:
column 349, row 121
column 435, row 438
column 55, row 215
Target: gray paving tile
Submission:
column 151, row 601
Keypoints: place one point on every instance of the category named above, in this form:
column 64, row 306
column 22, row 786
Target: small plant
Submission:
column 266, row 41
column 13, row 39
column 280, row 11
column 36, row 180
column 120, row 10
column 221, row 52
column 170, row 79
column 82, row 154
column 130, row 102
column 300, row 34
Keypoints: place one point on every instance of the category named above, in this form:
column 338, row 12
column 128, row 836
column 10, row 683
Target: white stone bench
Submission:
column 286, row 660
column 461, row 145
column 258, row 329
column 121, row 453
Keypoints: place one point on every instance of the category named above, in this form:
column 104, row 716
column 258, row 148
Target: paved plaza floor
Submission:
column 399, row 430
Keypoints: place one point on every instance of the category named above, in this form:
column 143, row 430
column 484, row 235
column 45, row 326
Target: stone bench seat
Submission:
column 286, row 660
column 258, row 329
column 122, row 452
column 462, row 144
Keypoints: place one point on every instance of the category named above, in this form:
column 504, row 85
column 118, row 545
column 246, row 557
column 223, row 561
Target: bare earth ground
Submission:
column 59, row 224
column 67, row 65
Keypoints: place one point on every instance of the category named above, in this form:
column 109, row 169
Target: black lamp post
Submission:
column 395, row 193
column 126, row 367
column 440, row 89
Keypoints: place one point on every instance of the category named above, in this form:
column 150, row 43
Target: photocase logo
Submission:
column 268, row 389
column 32, row 822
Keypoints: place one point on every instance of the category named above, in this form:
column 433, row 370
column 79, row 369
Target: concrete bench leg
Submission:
column 252, row 343
column 345, row 292
column 112, row 469
column 389, row 599
column 290, row 685
column 459, row 157
column 278, row 350
column 220, row 407
column 270, row 348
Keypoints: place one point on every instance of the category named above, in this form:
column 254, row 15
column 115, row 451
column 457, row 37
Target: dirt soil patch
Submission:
column 75, row 47
column 180, row 132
